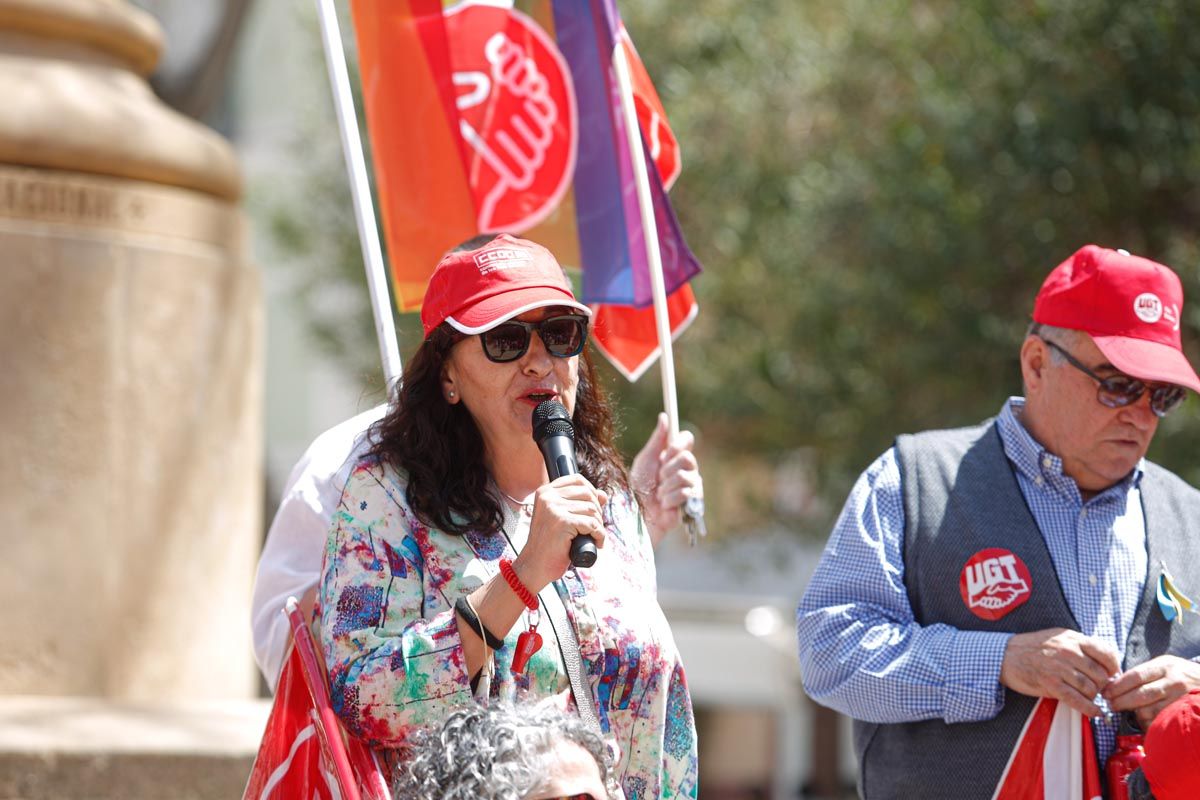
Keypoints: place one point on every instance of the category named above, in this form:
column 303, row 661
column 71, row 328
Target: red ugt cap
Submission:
column 1172, row 763
column 476, row 290
column 1131, row 306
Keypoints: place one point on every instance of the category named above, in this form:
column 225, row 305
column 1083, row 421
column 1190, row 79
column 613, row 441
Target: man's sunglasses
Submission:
column 1119, row 391
column 564, row 336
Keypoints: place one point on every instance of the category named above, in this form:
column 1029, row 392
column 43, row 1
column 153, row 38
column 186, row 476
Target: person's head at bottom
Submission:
column 529, row 752
column 1171, row 769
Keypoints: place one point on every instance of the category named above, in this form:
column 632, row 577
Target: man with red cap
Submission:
column 973, row 571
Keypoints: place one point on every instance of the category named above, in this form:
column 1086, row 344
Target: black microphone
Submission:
column 555, row 437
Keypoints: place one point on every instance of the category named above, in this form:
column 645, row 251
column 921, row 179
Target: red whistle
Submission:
column 528, row 643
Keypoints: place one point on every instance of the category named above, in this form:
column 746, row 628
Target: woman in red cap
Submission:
column 447, row 572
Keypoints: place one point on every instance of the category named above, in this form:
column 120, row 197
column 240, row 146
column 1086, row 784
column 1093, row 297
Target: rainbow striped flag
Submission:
column 505, row 116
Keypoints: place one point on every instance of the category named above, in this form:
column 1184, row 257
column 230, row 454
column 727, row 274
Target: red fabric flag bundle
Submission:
column 1054, row 758
column 304, row 751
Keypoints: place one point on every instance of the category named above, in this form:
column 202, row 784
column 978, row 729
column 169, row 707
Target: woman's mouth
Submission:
column 540, row 396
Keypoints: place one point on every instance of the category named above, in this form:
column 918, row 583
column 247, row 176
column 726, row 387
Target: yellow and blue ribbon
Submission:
column 1171, row 601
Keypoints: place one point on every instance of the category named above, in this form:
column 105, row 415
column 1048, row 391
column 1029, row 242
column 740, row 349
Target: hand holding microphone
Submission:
column 555, row 436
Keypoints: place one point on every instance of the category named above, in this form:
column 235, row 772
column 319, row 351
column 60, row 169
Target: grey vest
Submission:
column 961, row 496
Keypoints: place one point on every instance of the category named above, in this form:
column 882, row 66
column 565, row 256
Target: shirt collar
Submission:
column 1039, row 464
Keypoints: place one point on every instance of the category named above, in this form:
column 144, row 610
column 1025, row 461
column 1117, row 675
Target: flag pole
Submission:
column 1075, row 761
column 360, row 190
column 658, row 289
column 693, row 512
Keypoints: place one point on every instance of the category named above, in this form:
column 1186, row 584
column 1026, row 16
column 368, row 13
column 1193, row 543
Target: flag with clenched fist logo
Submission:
column 505, row 117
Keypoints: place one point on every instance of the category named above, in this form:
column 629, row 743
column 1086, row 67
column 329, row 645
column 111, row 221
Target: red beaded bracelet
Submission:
column 510, row 575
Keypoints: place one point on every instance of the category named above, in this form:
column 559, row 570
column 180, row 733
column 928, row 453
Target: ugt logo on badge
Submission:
column 517, row 115
column 1148, row 307
column 994, row 582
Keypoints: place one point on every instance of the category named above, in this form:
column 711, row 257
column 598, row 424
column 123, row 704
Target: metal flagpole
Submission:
column 693, row 510
column 360, row 190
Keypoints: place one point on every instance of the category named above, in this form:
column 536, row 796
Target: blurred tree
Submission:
column 316, row 232
column 877, row 190
column 192, row 76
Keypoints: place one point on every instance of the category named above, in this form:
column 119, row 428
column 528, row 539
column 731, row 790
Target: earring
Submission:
column 451, row 394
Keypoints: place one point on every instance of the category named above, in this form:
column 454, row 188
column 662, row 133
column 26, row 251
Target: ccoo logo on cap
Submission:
column 476, row 290
column 1131, row 306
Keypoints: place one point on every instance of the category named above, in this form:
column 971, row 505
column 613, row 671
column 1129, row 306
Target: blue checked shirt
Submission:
column 862, row 653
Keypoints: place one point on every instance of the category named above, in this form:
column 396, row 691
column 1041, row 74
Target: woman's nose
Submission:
column 537, row 359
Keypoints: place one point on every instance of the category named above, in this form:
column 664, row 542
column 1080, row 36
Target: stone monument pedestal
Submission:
column 130, row 419
column 73, row 748
column 130, row 489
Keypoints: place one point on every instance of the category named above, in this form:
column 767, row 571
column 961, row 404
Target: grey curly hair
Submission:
column 497, row 753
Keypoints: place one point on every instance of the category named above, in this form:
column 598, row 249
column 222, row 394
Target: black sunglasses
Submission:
column 564, row 336
column 1119, row 391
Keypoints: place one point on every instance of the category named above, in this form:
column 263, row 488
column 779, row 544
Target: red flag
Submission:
column 627, row 335
column 652, row 118
column 304, row 751
column 1054, row 758
column 290, row 762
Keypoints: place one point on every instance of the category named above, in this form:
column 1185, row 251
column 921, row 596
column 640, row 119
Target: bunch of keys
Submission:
column 693, row 519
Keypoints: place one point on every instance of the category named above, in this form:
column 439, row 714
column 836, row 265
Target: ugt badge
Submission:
column 994, row 582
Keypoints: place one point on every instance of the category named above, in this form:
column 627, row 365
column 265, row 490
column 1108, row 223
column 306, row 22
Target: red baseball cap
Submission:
column 1172, row 763
column 476, row 290
column 1131, row 306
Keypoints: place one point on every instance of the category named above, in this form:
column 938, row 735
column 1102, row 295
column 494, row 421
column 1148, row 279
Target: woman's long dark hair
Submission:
column 440, row 450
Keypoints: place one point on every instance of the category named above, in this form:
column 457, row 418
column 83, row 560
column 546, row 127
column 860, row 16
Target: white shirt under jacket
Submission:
column 290, row 564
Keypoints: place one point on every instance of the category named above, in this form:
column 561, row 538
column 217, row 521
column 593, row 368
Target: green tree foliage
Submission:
column 877, row 190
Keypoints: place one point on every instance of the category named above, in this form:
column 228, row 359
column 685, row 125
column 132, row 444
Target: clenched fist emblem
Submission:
column 517, row 115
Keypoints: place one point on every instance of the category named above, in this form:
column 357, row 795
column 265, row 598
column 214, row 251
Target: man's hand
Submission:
column 1059, row 663
column 664, row 475
column 1150, row 687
